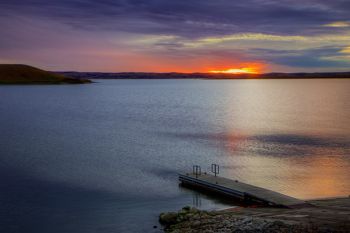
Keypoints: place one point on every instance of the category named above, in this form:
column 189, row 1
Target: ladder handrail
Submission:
column 215, row 168
column 196, row 170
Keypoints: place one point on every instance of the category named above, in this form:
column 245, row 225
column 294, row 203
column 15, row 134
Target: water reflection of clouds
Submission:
column 270, row 144
column 303, row 140
column 320, row 176
column 304, row 166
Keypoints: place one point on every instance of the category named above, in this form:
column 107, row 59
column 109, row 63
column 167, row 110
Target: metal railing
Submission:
column 196, row 170
column 215, row 169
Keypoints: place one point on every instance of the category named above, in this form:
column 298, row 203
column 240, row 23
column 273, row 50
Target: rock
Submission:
column 168, row 218
column 196, row 223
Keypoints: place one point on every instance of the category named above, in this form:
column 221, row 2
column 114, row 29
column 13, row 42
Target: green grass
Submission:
column 24, row 74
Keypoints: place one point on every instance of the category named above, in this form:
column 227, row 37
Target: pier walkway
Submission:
column 237, row 189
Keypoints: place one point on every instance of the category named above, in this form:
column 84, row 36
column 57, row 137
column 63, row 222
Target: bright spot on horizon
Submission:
column 244, row 70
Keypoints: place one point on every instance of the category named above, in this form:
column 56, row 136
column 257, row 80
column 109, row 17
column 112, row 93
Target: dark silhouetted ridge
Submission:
column 24, row 74
column 174, row 75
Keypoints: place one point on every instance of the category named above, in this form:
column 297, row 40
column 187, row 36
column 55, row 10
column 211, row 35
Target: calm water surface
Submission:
column 104, row 157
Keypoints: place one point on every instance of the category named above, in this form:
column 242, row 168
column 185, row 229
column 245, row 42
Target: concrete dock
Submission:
column 240, row 190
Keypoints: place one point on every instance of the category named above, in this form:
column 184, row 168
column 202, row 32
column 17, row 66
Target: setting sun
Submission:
column 244, row 70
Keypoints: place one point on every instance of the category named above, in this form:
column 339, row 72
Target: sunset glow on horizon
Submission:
column 244, row 70
column 241, row 68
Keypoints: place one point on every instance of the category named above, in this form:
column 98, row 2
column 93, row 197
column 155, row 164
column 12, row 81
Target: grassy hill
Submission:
column 24, row 74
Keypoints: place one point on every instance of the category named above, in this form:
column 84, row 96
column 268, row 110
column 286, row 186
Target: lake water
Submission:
column 104, row 157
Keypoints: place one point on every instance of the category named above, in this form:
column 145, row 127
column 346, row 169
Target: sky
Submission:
column 176, row 35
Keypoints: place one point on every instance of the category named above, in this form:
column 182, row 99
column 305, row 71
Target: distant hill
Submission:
column 131, row 75
column 24, row 74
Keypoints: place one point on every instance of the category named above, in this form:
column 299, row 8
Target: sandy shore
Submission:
column 326, row 215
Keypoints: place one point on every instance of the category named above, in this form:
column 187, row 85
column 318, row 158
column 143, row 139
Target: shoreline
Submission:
column 205, row 76
column 325, row 215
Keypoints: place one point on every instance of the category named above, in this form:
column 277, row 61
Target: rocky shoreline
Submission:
column 331, row 215
column 193, row 220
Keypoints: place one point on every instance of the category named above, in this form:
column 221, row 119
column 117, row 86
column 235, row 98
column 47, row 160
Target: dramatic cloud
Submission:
column 183, row 35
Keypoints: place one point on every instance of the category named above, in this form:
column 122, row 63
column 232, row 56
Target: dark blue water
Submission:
column 104, row 157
